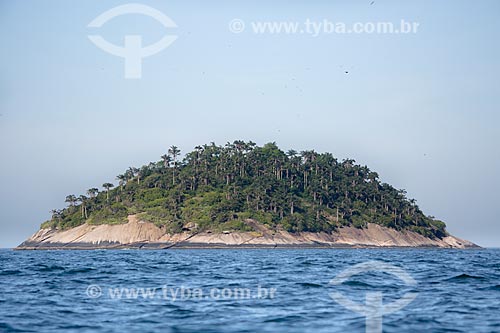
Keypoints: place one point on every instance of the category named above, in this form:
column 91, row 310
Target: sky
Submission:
column 421, row 109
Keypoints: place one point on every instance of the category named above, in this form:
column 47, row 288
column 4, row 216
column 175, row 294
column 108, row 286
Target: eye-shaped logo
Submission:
column 374, row 309
column 132, row 50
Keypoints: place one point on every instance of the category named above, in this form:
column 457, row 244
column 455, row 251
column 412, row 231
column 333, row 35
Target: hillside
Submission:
column 218, row 188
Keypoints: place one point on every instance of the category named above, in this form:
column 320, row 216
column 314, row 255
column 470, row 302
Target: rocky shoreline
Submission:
column 137, row 234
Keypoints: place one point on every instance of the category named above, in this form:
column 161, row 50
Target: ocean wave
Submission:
column 496, row 288
column 309, row 285
column 4, row 327
column 10, row 272
column 283, row 319
column 355, row 283
column 79, row 270
column 307, row 263
column 464, row 276
column 51, row 268
column 268, row 268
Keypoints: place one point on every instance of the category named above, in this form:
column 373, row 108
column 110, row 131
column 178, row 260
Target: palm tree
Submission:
column 71, row 199
column 56, row 214
column 291, row 153
column 174, row 152
column 83, row 199
column 107, row 186
column 122, row 180
column 92, row 192
column 143, row 172
column 166, row 160
column 131, row 173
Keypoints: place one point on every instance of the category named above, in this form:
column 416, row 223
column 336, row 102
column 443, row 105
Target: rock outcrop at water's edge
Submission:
column 139, row 234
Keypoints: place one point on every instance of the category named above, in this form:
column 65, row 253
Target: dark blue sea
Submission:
column 253, row 290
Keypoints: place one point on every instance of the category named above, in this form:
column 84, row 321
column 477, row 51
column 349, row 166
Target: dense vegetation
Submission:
column 218, row 188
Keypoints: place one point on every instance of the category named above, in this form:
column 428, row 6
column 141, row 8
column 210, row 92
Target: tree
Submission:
column 56, row 214
column 107, row 186
column 122, row 180
column 83, row 199
column 291, row 153
column 71, row 200
column 92, row 193
column 132, row 173
column 166, row 161
column 174, row 152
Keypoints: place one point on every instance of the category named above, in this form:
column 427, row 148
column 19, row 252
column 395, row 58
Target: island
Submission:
column 242, row 195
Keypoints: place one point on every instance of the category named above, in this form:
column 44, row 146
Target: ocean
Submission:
column 250, row 290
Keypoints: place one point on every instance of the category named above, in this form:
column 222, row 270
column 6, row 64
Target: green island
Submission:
column 218, row 188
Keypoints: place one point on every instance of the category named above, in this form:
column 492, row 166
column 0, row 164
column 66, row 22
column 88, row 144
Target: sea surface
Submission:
column 254, row 290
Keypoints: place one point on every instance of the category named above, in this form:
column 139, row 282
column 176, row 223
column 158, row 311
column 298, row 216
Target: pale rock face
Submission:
column 137, row 234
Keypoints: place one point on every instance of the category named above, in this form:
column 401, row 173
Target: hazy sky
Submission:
column 420, row 109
